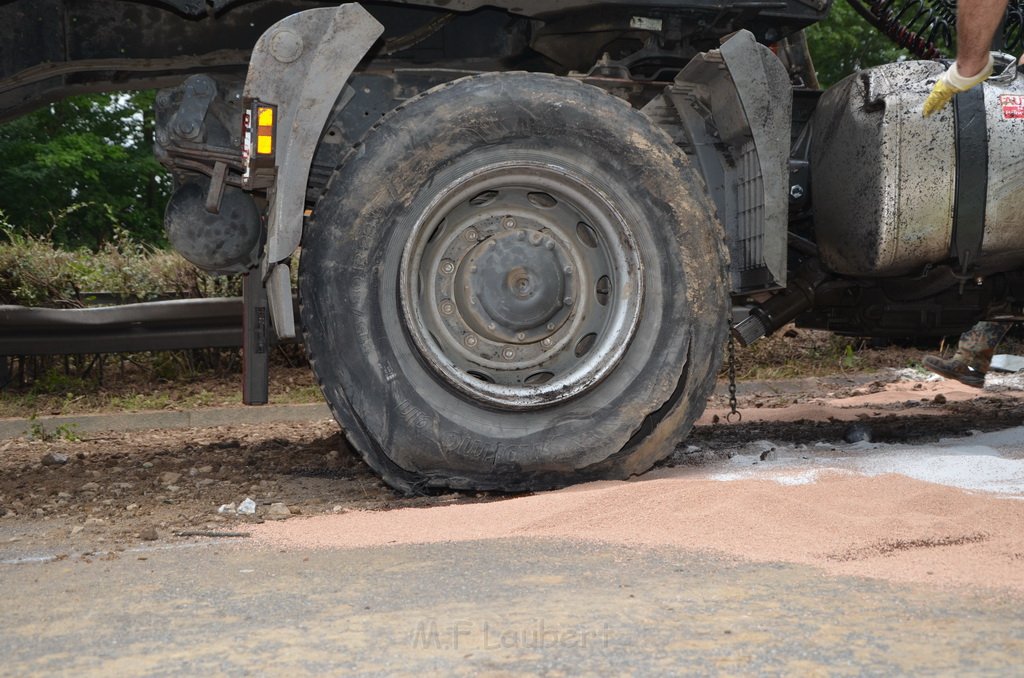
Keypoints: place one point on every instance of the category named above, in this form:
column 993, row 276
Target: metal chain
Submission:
column 733, row 411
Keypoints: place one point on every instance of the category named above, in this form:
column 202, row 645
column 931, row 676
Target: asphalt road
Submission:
column 498, row 607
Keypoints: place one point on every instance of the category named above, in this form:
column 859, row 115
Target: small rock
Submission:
column 939, row 399
column 169, row 478
column 131, row 507
column 64, row 495
column 227, row 508
column 205, row 469
column 147, row 464
column 149, row 534
column 277, row 511
column 76, row 529
column 857, row 433
column 54, row 459
column 95, row 521
column 247, row 507
column 89, row 487
column 769, row 455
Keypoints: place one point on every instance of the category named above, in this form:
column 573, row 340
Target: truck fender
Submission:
column 735, row 104
column 301, row 65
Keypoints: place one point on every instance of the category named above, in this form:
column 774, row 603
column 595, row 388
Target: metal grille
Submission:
column 749, row 241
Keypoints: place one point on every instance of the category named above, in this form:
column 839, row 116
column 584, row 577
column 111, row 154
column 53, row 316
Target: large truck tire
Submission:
column 515, row 282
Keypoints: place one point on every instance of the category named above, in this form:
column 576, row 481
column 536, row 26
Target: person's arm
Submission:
column 976, row 23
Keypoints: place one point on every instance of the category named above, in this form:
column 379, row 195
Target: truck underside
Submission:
column 523, row 225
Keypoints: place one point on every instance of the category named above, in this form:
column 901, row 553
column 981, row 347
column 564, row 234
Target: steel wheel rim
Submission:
column 521, row 284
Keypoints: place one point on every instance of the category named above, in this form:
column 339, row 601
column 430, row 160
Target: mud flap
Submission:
column 736, row 106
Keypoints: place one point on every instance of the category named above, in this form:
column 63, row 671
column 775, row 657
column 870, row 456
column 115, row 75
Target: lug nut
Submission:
column 471, row 234
column 551, row 327
column 521, row 336
column 447, row 307
column 447, row 266
column 508, row 353
column 509, row 223
column 567, row 301
column 546, row 343
column 567, row 270
column 471, row 340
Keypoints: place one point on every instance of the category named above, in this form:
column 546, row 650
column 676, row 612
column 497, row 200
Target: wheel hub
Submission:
column 512, row 286
column 520, row 285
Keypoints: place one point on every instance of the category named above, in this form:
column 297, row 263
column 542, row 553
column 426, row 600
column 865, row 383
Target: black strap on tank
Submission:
column 971, row 176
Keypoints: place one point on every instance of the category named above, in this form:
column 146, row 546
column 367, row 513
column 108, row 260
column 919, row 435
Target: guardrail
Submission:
column 149, row 326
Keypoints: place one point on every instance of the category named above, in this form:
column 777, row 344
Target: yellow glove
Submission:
column 951, row 83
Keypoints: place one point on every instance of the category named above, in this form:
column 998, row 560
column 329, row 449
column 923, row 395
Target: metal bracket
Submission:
column 255, row 341
column 216, row 192
column 279, row 294
column 199, row 93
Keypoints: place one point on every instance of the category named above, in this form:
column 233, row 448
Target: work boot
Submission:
column 973, row 354
column 955, row 369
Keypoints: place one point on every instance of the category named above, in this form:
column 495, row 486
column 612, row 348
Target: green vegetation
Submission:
column 36, row 431
column 81, row 169
column 36, row 271
column 845, row 43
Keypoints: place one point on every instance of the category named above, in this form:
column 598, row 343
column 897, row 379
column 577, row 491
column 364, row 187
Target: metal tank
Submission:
column 894, row 191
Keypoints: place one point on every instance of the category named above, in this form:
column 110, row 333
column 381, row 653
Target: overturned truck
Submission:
column 521, row 229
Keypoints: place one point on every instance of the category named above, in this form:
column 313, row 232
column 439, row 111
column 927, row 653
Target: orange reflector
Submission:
column 265, row 130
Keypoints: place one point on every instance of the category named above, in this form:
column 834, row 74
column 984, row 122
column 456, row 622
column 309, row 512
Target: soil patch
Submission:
column 109, row 491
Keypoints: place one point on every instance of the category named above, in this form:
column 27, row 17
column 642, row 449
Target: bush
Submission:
column 34, row 271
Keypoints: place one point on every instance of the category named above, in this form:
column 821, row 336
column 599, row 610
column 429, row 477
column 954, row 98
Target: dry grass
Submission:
column 131, row 388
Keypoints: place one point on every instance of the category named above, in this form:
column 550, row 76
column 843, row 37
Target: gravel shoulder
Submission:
column 108, row 490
